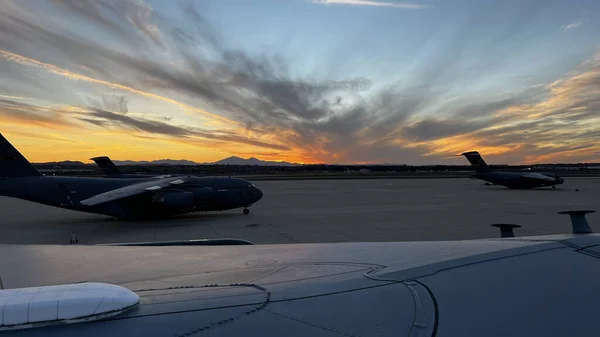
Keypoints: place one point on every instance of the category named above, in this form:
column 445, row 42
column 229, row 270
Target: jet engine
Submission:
column 176, row 200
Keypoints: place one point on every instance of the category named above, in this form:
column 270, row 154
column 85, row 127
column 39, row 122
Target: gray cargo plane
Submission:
column 124, row 198
column 525, row 286
column 513, row 180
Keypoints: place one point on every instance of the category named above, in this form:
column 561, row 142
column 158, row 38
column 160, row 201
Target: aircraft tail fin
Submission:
column 12, row 162
column 107, row 166
column 476, row 161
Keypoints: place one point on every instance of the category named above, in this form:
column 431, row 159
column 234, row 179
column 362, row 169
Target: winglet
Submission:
column 506, row 229
column 579, row 222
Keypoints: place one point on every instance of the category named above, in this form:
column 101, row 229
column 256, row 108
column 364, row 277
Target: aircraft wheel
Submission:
column 246, row 211
column 553, row 187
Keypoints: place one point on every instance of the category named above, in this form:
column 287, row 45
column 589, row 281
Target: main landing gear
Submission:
column 246, row 211
column 553, row 187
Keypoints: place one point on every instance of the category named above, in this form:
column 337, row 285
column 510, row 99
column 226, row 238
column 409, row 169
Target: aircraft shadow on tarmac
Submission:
column 505, row 189
column 173, row 221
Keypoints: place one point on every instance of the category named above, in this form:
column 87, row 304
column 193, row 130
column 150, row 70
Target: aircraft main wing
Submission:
column 161, row 177
column 521, row 286
column 538, row 176
column 131, row 190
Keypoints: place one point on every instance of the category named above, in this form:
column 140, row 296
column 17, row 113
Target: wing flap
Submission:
column 131, row 190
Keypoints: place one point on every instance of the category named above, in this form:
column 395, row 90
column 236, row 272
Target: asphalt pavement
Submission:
column 296, row 211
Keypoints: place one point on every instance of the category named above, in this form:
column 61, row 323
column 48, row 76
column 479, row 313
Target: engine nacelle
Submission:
column 202, row 193
column 177, row 200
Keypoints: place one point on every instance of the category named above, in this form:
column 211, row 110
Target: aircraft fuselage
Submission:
column 519, row 180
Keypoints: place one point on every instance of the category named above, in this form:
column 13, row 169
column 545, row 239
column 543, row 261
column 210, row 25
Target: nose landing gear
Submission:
column 246, row 211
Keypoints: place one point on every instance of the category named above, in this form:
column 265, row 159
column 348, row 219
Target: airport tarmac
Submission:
column 296, row 211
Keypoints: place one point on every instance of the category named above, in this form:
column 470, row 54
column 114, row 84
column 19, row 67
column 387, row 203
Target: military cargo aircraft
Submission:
column 124, row 198
column 523, row 286
column 512, row 180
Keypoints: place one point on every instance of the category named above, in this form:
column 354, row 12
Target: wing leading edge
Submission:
column 131, row 190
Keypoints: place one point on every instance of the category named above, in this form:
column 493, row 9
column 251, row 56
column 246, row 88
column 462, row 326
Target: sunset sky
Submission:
column 336, row 81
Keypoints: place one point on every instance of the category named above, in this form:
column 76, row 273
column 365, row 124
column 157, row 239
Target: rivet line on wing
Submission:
column 205, row 327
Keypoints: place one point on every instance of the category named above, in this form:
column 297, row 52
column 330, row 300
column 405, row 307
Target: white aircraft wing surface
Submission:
column 522, row 286
column 131, row 190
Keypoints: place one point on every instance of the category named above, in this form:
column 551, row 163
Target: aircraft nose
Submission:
column 257, row 193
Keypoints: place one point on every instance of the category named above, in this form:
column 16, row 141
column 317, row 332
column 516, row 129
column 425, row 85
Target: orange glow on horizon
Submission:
column 37, row 144
column 459, row 144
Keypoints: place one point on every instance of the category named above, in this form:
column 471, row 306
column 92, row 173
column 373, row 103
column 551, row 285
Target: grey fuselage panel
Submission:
column 542, row 286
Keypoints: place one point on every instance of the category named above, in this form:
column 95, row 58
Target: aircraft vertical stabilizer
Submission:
column 476, row 161
column 107, row 166
column 12, row 162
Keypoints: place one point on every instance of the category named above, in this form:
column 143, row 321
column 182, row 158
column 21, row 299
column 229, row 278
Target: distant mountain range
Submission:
column 233, row 160
column 155, row 162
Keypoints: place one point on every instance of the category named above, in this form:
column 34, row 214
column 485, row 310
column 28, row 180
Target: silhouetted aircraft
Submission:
column 107, row 166
column 525, row 286
column 122, row 197
column 112, row 171
column 514, row 180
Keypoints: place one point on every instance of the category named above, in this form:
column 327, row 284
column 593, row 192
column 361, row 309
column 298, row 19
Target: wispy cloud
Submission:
column 66, row 117
column 79, row 77
column 563, row 126
column 404, row 5
column 572, row 25
column 13, row 97
column 112, row 16
column 256, row 102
